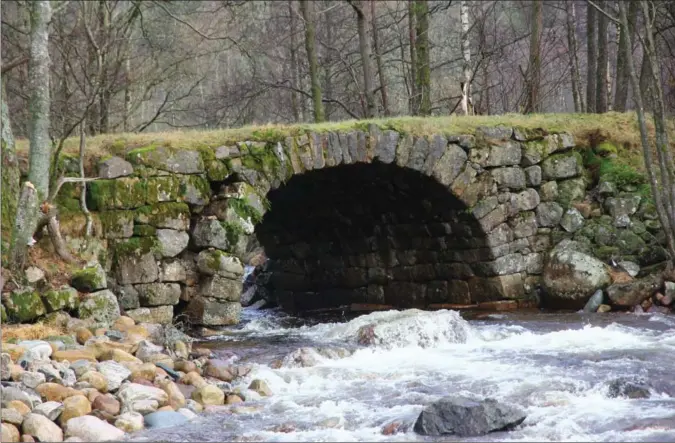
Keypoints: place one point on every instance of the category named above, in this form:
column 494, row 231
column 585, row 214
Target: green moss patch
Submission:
column 130, row 192
column 62, row 299
column 135, row 246
column 25, row 305
column 162, row 189
column 144, row 231
column 164, row 215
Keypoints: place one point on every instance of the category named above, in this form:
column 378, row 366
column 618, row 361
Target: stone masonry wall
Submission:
column 364, row 216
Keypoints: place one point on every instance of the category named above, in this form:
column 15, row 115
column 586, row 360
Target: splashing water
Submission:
column 557, row 367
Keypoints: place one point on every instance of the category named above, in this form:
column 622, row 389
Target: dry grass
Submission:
column 37, row 331
column 620, row 128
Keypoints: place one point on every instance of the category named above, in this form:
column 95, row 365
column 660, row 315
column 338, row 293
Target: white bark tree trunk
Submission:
column 467, row 109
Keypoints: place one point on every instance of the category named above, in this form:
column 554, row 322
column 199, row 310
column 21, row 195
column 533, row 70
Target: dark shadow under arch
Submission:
column 367, row 233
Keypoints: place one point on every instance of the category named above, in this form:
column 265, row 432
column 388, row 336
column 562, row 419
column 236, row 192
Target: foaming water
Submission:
column 557, row 367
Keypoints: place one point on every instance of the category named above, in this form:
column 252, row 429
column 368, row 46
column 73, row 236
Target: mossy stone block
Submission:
column 101, row 195
column 130, row 192
column 62, row 299
column 164, row 215
column 162, row 189
column 117, row 224
column 25, row 305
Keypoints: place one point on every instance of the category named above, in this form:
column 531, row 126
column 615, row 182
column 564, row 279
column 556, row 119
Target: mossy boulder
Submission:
column 162, row 189
column 101, row 307
column 571, row 190
column 216, row 262
column 25, row 305
column 164, row 215
column 210, row 233
column 179, row 161
column 90, row 279
column 64, row 298
column 117, row 224
column 195, row 190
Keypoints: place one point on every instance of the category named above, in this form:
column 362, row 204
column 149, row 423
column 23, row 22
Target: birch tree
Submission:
column 36, row 189
column 466, row 55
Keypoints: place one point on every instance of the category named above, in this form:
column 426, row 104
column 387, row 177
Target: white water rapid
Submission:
column 557, row 367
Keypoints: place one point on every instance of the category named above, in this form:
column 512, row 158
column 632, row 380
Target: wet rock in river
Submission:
column 594, row 302
column 465, row 417
column 628, row 388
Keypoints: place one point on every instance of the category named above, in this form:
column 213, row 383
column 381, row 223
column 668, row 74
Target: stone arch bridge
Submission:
column 365, row 216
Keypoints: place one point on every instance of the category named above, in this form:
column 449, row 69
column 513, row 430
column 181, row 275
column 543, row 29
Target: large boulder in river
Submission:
column 635, row 292
column 466, row 417
column 572, row 276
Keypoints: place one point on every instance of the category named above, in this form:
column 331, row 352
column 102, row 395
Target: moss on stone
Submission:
column 606, row 149
column 144, row 230
column 130, row 192
column 216, row 170
column 65, row 339
column 244, row 210
column 89, row 277
column 63, row 299
column 158, row 214
column 208, row 153
column 3, row 314
column 101, row 195
column 233, row 232
column 194, row 188
column 135, row 246
column 115, row 223
column 262, row 158
column 25, row 305
column 606, row 252
column 571, row 190
column 140, row 156
column 161, row 189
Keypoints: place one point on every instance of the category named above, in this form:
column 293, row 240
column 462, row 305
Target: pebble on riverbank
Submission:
column 99, row 384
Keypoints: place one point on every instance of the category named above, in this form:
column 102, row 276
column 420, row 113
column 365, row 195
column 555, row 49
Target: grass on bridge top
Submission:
column 620, row 128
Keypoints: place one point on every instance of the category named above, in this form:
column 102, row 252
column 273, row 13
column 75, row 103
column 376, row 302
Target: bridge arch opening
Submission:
column 370, row 233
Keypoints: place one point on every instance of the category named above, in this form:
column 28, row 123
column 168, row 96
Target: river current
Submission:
column 557, row 367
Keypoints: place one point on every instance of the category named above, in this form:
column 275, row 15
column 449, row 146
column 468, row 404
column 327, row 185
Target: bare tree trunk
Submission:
column 127, row 94
column 574, row 57
column 645, row 84
column 294, row 64
column 378, row 60
column 37, row 187
column 591, row 58
column 83, row 193
column 603, row 56
column 622, row 80
column 364, row 49
column 423, row 68
column 413, row 99
column 666, row 217
column 11, row 176
column 663, row 149
column 38, row 78
column 310, row 47
column 25, row 225
column 466, row 55
column 327, row 65
column 534, row 70
column 104, row 93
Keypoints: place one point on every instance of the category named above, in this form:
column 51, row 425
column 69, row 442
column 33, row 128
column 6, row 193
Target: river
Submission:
column 555, row 366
